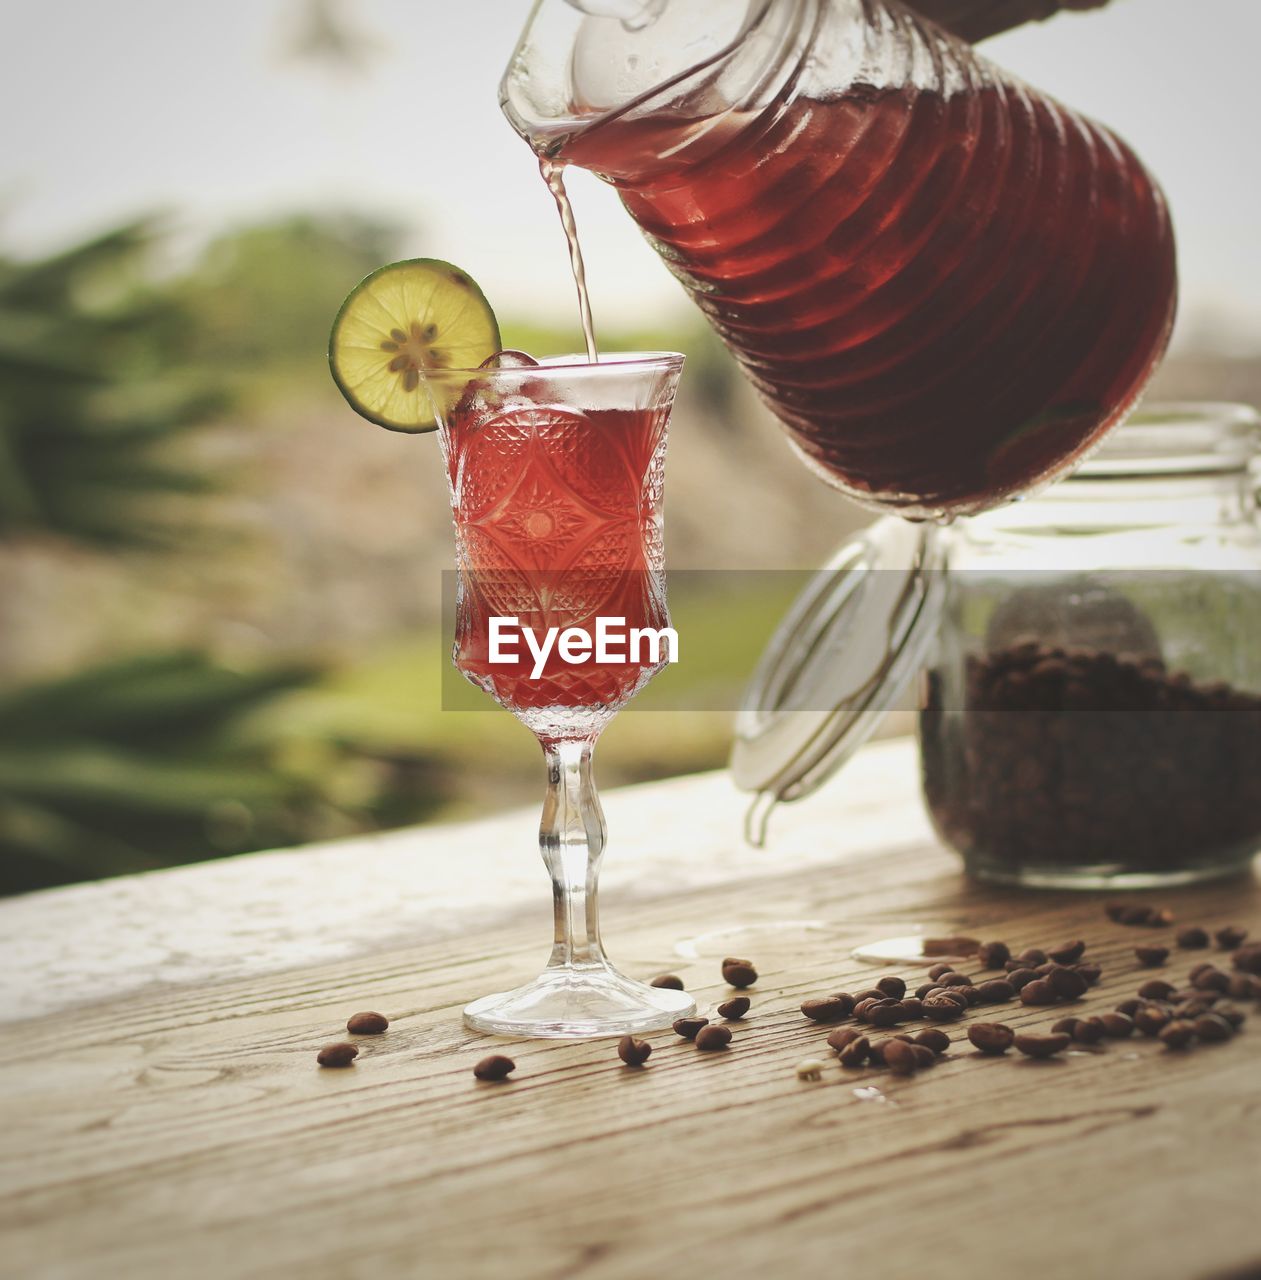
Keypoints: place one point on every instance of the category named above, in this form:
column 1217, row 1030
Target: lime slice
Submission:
column 398, row 322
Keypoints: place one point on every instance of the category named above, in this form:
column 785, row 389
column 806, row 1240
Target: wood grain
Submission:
column 187, row 1132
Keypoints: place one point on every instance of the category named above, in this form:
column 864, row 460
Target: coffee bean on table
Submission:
column 1130, row 1007
column 995, row 991
column 367, row 1024
column 495, row 1067
column 871, row 993
column 1091, row 972
column 900, row 1057
column 933, row 1038
column 992, row 955
column 1065, row 1025
column 1151, row 1020
column 827, row 1009
column 734, row 1008
column 888, row 1013
column 854, row 1054
column 1068, row 952
column 1192, row 938
column 633, row 1052
column 1033, row 956
column 1248, row 958
column 1177, row 1035
column 1067, row 984
column 1230, row 937
column 1088, row 1030
column 1211, row 979
column 912, row 1007
column 1117, row 1026
column 843, row 1036
column 669, row 981
column 713, row 1037
column 1020, row 978
column 941, row 1009
column 1243, row 986
column 1156, row 989
column 1232, row 1015
column 954, row 946
column 1151, row 957
column 1047, row 1046
column 1039, row 991
column 892, row 986
column 1212, row 1028
column 689, row 1028
column 924, row 1056
column 738, row 973
column 991, row 1037
column 337, row 1055
column 925, row 989
column 938, row 969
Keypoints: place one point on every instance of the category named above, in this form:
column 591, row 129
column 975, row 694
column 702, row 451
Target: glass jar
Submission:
column 1089, row 662
column 1091, row 714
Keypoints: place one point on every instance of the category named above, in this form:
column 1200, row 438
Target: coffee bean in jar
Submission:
column 1076, row 763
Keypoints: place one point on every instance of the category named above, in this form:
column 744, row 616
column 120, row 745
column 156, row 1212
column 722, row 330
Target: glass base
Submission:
column 1105, row 877
column 576, row 1003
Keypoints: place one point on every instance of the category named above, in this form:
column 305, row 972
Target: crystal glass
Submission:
column 556, row 475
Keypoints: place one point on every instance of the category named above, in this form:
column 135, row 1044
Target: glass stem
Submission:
column 571, row 839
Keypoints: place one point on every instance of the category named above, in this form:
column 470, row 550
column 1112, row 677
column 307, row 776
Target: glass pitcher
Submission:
column 945, row 285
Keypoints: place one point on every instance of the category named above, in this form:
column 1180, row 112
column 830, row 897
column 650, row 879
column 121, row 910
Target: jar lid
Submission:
column 844, row 654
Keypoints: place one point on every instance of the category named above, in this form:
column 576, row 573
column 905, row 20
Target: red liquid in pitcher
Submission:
column 945, row 299
column 558, row 522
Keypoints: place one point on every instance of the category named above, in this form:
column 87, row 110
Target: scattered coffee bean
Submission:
column 1088, row 1030
column 1151, row 1020
column 1117, row 1026
column 713, row 1037
column 912, row 1007
column 892, row 986
column 924, row 1056
column 925, row 989
column 954, row 980
column 734, row 1008
column 1042, row 1046
column 871, row 993
column 1211, row 979
column 1031, row 957
column 738, row 973
column 843, row 1036
column 956, row 946
column 938, row 969
column 689, row 1028
column 942, row 1009
column 1230, row 937
column 1192, row 938
column 899, row 1057
column 810, row 1069
column 1130, row 1007
column 1177, row 1035
column 1156, row 989
column 367, row 1024
column 956, row 995
column 933, row 1038
column 1151, row 957
column 1068, row 952
column 888, row 1013
column 827, row 1009
column 1020, row 978
column 1039, row 991
column 634, row 1052
column 1247, row 958
column 1067, row 984
column 992, row 955
column 1243, row 986
column 496, row 1067
column 670, row 981
column 1212, row 1028
column 991, row 1037
column 855, row 1053
column 337, row 1055
column 1091, row 972
column 1234, row 1016
column 1136, row 914
column 1065, row 1025
column 995, row 991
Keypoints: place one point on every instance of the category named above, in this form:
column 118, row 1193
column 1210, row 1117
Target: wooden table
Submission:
column 164, row 1116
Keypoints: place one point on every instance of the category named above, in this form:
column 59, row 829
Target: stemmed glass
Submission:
column 556, row 475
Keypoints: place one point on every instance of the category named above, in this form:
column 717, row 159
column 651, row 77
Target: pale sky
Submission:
column 109, row 108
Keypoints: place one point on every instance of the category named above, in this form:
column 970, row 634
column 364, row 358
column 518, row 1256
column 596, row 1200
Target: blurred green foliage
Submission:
column 106, row 375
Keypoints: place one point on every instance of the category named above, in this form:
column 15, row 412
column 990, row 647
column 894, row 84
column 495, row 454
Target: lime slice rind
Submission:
column 397, row 323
